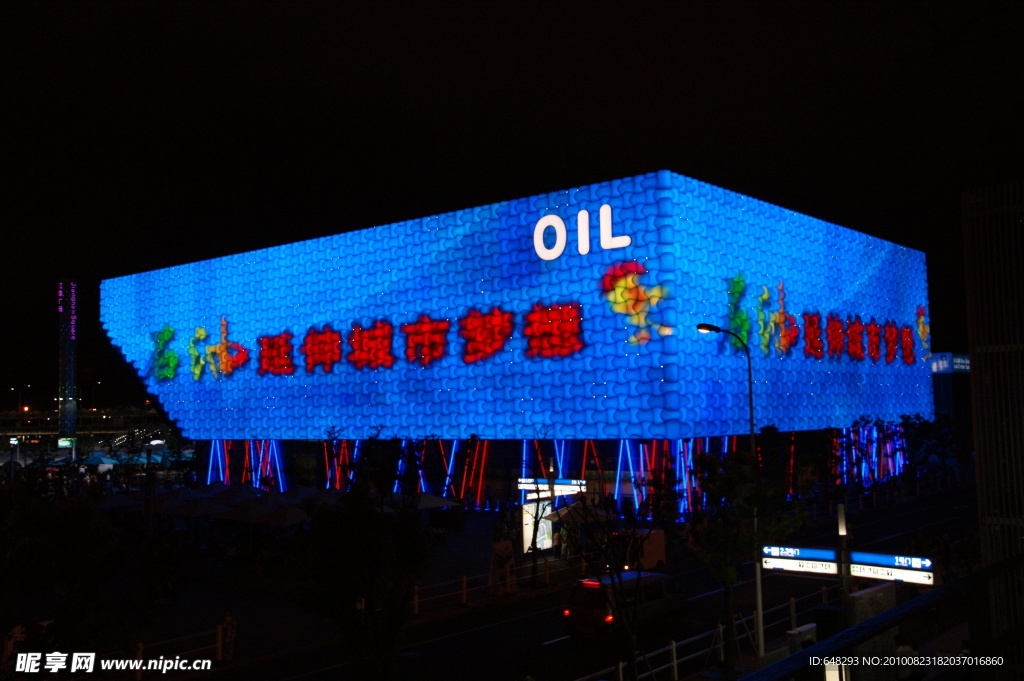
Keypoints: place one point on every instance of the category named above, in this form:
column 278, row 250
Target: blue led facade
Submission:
column 565, row 315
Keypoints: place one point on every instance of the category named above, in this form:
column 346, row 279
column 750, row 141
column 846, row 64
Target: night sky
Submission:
column 144, row 135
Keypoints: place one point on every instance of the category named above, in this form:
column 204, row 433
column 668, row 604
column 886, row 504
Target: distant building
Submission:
column 951, row 383
column 994, row 256
column 40, row 430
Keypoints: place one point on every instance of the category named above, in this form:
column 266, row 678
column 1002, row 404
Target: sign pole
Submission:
column 844, row 564
column 760, row 600
column 844, row 550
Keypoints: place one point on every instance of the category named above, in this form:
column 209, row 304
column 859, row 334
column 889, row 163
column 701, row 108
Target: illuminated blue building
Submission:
column 566, row 315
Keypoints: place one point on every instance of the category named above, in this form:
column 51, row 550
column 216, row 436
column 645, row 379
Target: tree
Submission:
column 610, row 555
column 371, row 551
column 746, row 507
column 930, row 445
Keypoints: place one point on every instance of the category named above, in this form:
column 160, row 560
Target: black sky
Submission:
column 143, row 135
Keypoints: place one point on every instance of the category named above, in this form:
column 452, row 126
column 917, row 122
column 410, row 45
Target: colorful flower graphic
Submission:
column 765, row 322
column 789, row 333
column 923, row 330
column 627, row 296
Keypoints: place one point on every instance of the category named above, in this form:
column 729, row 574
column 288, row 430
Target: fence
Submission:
column 470, row 590
column 691, row 655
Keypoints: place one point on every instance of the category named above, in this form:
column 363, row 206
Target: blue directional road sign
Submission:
column 794, row 559
column 891, row 560
column 891, row 567
column 794, row 552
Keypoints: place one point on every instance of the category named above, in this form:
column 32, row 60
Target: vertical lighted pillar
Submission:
column 67, row 398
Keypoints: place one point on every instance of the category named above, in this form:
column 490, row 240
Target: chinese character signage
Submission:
column 565, row 315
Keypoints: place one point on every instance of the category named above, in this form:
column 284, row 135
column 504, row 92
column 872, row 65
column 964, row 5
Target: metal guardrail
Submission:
column 467, row 590
column 679, row 653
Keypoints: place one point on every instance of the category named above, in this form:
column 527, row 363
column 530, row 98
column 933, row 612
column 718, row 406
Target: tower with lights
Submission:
column 67, row 394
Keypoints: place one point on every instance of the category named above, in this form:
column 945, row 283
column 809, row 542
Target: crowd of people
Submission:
column 52, row 481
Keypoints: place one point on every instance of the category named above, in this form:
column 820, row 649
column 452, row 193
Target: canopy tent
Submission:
column 578, row 513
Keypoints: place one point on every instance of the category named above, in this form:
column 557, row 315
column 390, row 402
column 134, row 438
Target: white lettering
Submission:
column 543, row 251
column 583, row 232
column 608, row 240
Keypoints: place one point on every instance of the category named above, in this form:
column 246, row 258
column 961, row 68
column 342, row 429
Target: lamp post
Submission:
column 759, row 620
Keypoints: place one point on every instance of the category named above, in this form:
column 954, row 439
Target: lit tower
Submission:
column 67, row 308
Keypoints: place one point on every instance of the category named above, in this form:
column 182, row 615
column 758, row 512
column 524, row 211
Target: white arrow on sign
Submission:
column 892, row 574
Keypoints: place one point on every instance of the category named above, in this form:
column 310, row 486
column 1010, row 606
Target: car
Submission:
column 639, row 549
column 596, row 606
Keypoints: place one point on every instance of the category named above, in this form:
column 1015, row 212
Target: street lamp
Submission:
column 759, row 622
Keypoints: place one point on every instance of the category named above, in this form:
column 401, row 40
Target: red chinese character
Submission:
column 321, row 348
column 855, row 339
column 371, row 348
column 485, row 334
column 426, row 340
column 554, row 331
column 220, row 357
column 813, row 345
column 892, row 341
column 835, row 335
column 907, row 344
column 276, row 355
column 874, row 340
column 789, row 334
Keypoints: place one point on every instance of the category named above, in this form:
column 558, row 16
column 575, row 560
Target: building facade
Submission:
column 566, row 315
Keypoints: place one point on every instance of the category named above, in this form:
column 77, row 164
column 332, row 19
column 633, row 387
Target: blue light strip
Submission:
column 423, row 480
column 214, row 444
column 693, row 501
column 329, row 454
column 618, row 473
column 456, row 444
column 275, row 448
column 560, row 457
column 401, row 469
column 682, row 477
column 522, row 493
column 356, row 452
column 260, row 449
column 643, row 475
column 633, row 476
